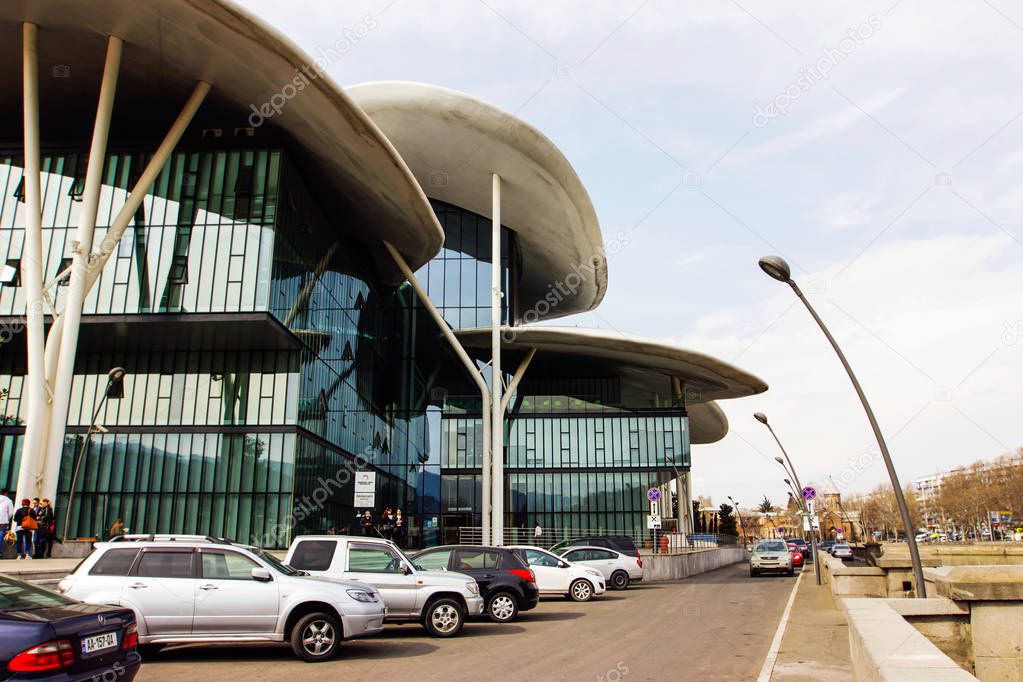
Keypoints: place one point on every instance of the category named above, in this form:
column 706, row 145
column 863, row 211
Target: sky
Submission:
column 877, row 146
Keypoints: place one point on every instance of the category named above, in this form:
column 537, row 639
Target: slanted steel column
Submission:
column 516, row 378
column 497, row 377
column 96, row 262
column 470, row 366
column 32, row 273
column 72, row 314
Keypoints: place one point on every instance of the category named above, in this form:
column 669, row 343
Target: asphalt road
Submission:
column 716, row 626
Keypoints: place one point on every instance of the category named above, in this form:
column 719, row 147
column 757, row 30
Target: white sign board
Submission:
column 653, row 508
column 811, row 519
column 653, row 522
column 365, row 489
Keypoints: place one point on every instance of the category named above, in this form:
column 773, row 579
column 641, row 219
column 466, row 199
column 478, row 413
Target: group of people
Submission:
column 391, row 526
column 32, row 527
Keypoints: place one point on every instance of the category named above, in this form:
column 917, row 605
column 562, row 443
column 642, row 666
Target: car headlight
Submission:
column 472, row 587
column 594, row 573
column 363, row 596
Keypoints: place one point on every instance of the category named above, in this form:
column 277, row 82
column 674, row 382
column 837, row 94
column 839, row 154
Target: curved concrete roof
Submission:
column 171, row 44
column 454, row 143
column 706, row 378
column 707, row 423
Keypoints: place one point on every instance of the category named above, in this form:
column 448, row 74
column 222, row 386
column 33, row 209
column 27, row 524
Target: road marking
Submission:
column 772, row 654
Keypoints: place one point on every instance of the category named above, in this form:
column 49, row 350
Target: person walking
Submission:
column 24, row 525
column 6, row 517
column 366, row 523
column 399, row 529
column 537, row 533
column 387, row 524
column 45, row 531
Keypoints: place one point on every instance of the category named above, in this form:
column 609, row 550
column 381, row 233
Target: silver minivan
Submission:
column 187, row 589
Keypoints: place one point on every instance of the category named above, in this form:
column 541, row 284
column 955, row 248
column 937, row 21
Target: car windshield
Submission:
column 772, row 546
column 276, row 563
column 19, row 596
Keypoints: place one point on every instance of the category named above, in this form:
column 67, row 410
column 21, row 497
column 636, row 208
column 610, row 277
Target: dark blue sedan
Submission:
column 46, row 636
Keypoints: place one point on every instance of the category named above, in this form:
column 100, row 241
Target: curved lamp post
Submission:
column 778, row 269
column 739, row 515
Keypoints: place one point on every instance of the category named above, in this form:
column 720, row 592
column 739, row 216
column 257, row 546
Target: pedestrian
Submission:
column 24, row 526
column 523, row 533
column 6, row 517
column 399, row 528
column 387, row 524
column 537, row 533
column 366, row 523
column 116, row 530
column 331, row 531
column 45, row 531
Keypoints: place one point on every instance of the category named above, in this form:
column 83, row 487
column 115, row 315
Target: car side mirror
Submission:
column 562, row 564
column 261, row 574
column 406, row 569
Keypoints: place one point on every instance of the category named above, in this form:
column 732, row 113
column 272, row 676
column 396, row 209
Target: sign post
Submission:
column 365, row 490
column 653, row 522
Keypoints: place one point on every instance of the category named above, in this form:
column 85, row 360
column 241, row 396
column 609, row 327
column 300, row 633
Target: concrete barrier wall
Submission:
column 853, row 581
column 662, row 567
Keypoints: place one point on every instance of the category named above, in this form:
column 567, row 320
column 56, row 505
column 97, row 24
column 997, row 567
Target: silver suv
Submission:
column 199, row 589
column 441, row 601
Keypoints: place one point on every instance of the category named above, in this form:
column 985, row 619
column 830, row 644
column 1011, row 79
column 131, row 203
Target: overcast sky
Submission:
column 877, row 146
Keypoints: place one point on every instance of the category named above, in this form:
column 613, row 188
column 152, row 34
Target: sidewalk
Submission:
column 816, row 641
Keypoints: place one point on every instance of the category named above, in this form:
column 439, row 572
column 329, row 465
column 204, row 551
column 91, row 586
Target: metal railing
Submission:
column 675, row 542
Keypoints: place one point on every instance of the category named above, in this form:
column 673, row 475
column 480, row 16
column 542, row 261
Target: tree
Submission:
column 698, row 526
column 726, row 521
column 765, row 506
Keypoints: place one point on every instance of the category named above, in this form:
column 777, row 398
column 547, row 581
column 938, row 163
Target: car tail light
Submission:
column 639, row 559
column 131, row 637
column 524, row 573
column 49, row 656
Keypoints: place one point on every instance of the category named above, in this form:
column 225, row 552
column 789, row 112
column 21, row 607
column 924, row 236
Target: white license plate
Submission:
column 107, row 640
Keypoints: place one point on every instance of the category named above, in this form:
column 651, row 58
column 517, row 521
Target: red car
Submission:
column 797, row 554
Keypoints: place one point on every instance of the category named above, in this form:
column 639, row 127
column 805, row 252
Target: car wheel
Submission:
column 753, row 572
column 316, row 637
column 581, row 590
column 792, row 571
column 443, row 618
column 619, row 580
column 503, row 607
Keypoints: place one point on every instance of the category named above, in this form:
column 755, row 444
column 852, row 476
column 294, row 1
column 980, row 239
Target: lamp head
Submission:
column 776, row 268
column 789, row 482
column 760, row 417
column 779, row 460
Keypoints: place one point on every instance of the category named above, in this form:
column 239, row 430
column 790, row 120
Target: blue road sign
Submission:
column 653, row 494
column 809, row 493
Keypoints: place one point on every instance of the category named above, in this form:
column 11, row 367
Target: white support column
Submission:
column 470, row 366
column 497, row 377
column 509, row 391
column 55, row 442
column 32, row 273
column 72, row 314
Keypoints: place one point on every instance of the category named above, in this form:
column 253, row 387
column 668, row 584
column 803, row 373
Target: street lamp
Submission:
column 115, row 390
column 741, row 529
column 798, row 489
column 778, row 269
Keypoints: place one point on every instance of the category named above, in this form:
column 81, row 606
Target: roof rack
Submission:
column 170, row 537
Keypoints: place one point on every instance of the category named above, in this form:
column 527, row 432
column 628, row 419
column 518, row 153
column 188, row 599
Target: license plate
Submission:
column 107, row 640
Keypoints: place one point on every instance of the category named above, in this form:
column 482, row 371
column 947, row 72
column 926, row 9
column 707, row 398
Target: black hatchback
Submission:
column 507, row 584
column 44, row 636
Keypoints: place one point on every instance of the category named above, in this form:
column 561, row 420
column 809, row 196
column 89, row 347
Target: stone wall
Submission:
column 663, row 567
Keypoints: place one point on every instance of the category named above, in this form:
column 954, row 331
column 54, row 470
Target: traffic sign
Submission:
column 653, row 494
column 809, row 493
column 653, row 522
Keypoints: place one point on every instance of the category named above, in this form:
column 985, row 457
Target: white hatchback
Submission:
column 617, row 568
column 557, row 576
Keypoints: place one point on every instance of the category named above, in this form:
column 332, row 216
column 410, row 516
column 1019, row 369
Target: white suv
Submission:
column 441, row 601
column 198, row 589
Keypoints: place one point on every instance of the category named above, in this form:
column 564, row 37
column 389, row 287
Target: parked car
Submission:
column 619, row 543
column 842, row 551
column 439, row 601
column 797, row 555
column 618, row 568
column 507, row 584
column 557, row 576
column 826, row 545
column 195, row 589
column 802, row 544
column 771, row 555
column 47, row 636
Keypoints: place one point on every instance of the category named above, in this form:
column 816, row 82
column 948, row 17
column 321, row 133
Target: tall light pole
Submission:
column 778, row 269
column 798, row 489
column 739, row 515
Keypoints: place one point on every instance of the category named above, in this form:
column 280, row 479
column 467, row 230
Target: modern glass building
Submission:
column 272, row 348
